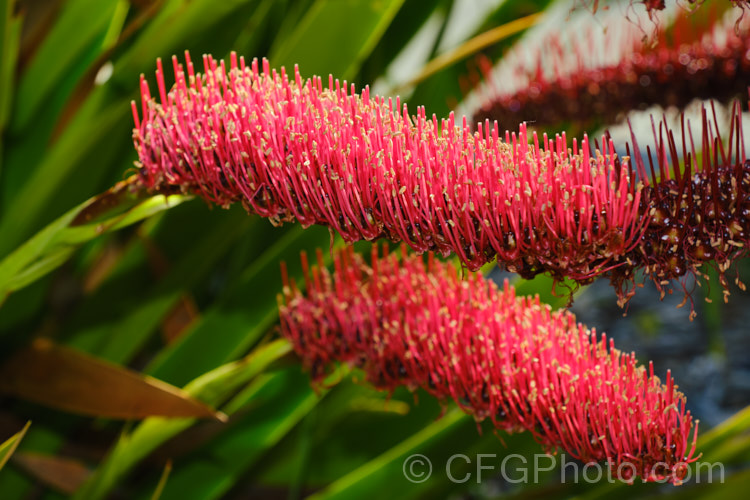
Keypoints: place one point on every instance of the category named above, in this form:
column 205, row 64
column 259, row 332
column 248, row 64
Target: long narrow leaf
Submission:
column 350, row 30
column 70, row 380
column 212, row 388
column 9, row 445
column 51, row 246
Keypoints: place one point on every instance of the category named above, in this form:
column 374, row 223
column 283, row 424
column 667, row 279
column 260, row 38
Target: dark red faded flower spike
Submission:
column 293, row 150
column 658, row 5
column 699, row 211
column 587, row 95
column 500, row 357
column 652, row 5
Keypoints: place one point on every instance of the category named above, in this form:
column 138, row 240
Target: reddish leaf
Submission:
column 182, row 315
column 61, row 473
column 76, row 382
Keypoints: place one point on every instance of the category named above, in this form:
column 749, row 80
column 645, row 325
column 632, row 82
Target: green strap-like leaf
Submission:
column 55, row 243
column 80, row 24
column 10, row 445
column 335, row 36
column 362, row 480
column 212, row 388
column 10, row 35
column 286, row 398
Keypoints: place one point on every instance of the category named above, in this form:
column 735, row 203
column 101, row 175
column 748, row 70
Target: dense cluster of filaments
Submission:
column 699, row 209
column 682, row 67
column 500, row 357
column 294, row 150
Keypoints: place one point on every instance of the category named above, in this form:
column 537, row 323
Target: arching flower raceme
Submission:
column 292, row 150
column 678, row 70
column 498, row 356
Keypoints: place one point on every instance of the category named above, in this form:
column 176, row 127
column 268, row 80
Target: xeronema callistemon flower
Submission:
column 586, row 94
column 498, row 356
column 293, row 150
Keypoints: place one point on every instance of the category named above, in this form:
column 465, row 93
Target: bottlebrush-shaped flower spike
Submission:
column 293, row 150
column 362, row 166
column 587, row 94
column 499, row 357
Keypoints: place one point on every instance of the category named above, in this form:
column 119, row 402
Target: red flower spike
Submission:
column 679, row 69
column 292, row 150
column 498, row 356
